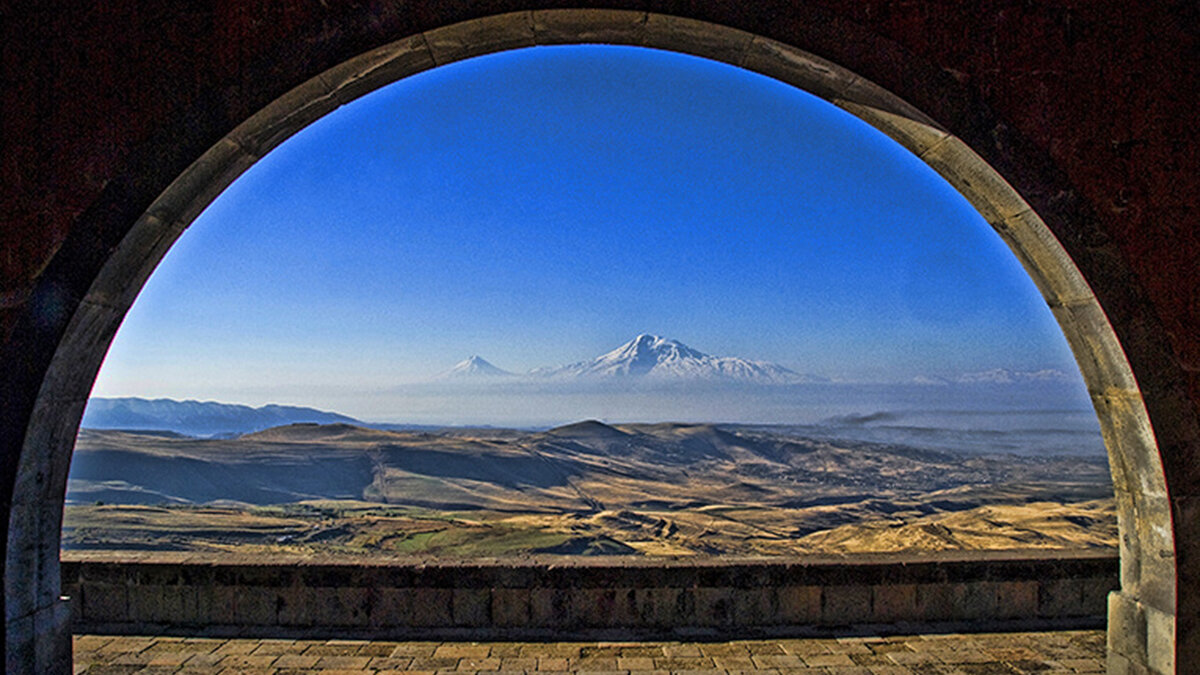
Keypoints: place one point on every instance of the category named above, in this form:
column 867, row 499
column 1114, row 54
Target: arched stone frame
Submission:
column 1141, row 614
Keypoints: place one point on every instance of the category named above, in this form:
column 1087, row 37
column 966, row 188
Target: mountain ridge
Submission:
column 658, row 358
column 199, row 418
column 645, row 357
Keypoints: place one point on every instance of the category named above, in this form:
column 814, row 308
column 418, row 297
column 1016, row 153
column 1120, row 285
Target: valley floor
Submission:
column 1046, row 653
column 583, row 489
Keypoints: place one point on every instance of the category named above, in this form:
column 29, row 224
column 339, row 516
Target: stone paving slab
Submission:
column 1051, row 653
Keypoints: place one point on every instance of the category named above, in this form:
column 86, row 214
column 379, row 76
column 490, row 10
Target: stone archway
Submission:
column 1142, row 630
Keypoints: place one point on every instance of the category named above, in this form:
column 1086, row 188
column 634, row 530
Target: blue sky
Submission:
column 543, row 206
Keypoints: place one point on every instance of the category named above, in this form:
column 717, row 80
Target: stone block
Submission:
column 799, row 68
column 1118, row 664
column 753, row 607
column 294, row 606
column 1157, row 582
column 347, row 606
column 378, row 68
column 140, row 252
column 976, row 600
column 1016, row 599
column 1160, row 641
column 799, row 604
column 431, row 607
column 658, row 607
column 968, row 173
column 105, row 603
column 893, row 602
column 1060, row 598
column 33, row 580
column 846, row 604
column 1043, row 257
column 592, row 26
column 481, row 36
column 510, row 607
column 471, row 607
column 393, row 608
column 594, row 607
column 295, row 109
column 699, row 38
column 154, row 604
column 41, row 477
column 551, row 608
column 916, row 136
column 936, row 602
column 222, row 605
column 255, row 606
column 1099, row 355
column 714, row 606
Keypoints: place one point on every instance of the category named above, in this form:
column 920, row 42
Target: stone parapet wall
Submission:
column 167, row 592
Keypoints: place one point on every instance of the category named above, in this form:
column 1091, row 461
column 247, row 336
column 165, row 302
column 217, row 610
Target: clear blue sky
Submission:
column 542, row 206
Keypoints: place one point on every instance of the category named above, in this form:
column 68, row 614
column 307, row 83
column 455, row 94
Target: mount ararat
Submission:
column 648, row 357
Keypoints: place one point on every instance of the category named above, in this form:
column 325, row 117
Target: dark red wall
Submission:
column 1088, row 107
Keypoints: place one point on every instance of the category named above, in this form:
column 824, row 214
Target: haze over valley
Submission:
column 654, row 379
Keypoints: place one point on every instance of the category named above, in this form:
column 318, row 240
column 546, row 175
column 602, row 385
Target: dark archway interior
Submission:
column 118, row 107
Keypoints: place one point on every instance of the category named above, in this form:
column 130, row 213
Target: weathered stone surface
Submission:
column 377, row 68
column 986, row 189
column 566, row 26
column 471, row 607
column 676, row 33
column 510, row 607
column 1127, row 628
column 151, row 591
column 893, row 602
column 482, row 36
column 846, row 604
column 1160, row 640
column 799, row 604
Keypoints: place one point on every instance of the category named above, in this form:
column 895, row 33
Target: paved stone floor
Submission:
column 1049, row 653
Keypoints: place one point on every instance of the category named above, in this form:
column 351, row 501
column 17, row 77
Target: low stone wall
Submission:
column 557, row 596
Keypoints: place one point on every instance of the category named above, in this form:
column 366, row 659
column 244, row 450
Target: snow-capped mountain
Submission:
column 654, row 357
column 472, row 367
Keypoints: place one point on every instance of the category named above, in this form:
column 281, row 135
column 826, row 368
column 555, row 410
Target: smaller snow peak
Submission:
column 474, row 366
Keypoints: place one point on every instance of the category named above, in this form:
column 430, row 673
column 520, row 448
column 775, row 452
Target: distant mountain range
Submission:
column 647, row 357
column 198, row 418
column 998, row 376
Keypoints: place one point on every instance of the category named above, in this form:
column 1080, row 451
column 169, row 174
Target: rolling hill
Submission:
column 656, row 489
